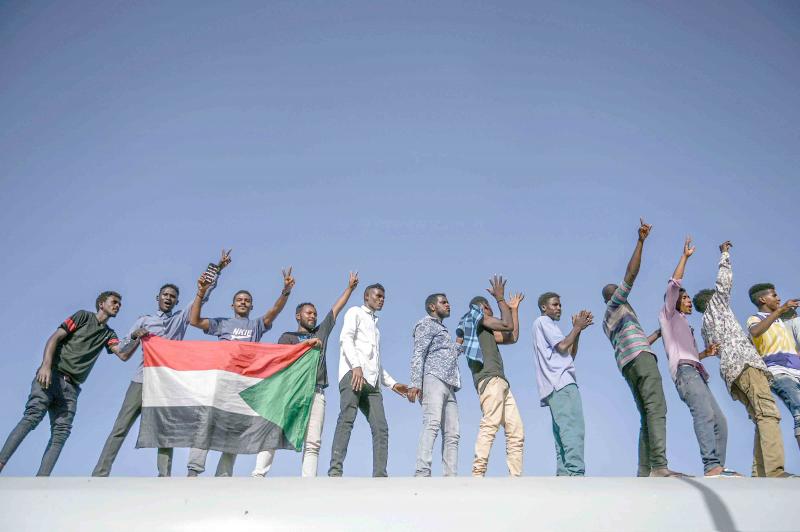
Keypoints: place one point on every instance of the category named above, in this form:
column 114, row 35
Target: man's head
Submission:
column 702, row 298
column 109, row 302
column 242, row 303
column 438, row 306
column 684, row 302
column 167, row 297
column 608, row 292
column 483, row 303
column 550, row 305
column 306, row 316
column 375, row 296
column 763, row 296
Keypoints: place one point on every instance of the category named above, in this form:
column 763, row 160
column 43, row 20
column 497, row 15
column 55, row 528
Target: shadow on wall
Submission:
column 723, row 520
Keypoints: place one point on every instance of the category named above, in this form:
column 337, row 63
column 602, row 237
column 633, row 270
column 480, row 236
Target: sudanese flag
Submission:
column 235, row 397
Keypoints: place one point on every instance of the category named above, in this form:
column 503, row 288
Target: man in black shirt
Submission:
column 315, row 335
column 498, row 406
column 69, row 355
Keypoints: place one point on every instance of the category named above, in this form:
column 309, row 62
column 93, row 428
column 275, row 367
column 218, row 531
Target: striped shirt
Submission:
column 777, row 339
column 621, row 325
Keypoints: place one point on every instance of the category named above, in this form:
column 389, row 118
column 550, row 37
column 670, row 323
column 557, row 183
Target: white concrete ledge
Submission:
column 563, row 504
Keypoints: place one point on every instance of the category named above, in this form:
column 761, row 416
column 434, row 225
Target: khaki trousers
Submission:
column 752, row 389
column 499, row 409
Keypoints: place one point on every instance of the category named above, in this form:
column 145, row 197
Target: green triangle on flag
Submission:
column 285, row 397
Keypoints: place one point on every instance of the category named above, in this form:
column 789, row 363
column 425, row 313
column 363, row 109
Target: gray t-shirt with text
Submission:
column 237, row 329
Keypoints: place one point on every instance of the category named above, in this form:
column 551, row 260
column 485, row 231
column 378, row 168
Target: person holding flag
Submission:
column 166, row 323
column 316, row 336
column 240, row 328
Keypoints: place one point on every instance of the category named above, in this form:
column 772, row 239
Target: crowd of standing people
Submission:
column 755, row 362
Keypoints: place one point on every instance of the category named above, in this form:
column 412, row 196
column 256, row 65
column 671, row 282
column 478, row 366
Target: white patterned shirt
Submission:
column 435, row 352
column 720, row 326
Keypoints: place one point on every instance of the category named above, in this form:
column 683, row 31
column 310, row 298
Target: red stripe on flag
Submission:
column 245, row 358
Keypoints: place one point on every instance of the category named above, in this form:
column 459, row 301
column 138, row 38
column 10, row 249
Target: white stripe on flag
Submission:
column 168, row 387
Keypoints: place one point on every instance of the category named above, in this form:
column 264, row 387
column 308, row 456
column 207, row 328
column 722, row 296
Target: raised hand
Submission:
column 353, row 282
column 582, row 319
column 288, row 281
column 688, row 248
column 515, row 300
column 224, row 259
column 497, row 287
column 644, row 229
column 725, row 246
column 204, row 282
column 790, row 305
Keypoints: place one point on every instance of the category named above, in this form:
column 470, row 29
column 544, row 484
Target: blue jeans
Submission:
column 710, row 425
column 60, row 401
column 439, row 411
column 568, row 430
column 788, row 389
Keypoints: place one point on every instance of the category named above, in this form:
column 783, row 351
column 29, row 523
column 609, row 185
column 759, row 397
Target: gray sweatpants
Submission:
column 130, row 410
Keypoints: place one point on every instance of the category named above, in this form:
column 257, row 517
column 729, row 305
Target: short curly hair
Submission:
column 701, row 299
column 105, row 295
column 544, row 298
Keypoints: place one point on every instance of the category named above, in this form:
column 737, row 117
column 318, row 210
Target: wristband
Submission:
column 501, row 300
column 286, row 293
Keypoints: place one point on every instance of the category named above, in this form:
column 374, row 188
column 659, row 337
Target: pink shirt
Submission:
column 676, row 332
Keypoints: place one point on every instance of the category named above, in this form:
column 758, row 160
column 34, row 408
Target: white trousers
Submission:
column 310, row 448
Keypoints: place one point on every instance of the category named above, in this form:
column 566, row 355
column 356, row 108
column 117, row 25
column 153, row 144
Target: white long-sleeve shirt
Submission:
column 360, row 346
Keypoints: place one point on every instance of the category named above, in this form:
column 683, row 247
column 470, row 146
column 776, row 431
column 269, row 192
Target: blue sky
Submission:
column 428, row 147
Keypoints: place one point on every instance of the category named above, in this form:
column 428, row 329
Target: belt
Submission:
column 696, row 365
column 67, row 378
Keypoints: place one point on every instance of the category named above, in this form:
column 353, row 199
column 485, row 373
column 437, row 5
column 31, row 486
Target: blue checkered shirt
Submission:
column 468, row 329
